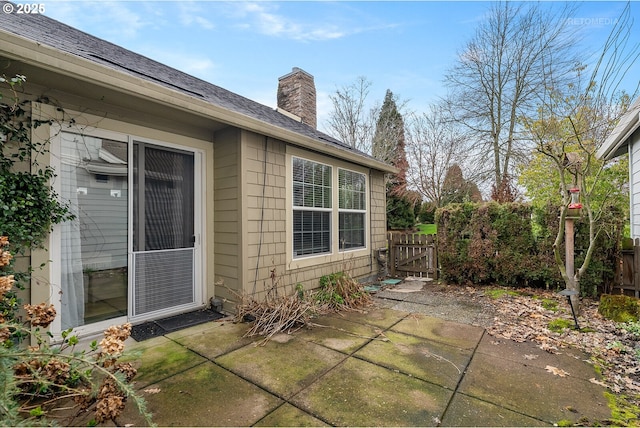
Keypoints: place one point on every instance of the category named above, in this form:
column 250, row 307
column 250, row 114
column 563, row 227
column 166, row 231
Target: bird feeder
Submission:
column 574, row 208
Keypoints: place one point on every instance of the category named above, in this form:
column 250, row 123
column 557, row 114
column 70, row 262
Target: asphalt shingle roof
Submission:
column 47, row 31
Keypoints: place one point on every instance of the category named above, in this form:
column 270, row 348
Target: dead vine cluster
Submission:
column 285, row 309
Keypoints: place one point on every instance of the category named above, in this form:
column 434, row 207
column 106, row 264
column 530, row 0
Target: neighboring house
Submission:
column 625, row 138
column 179, row 185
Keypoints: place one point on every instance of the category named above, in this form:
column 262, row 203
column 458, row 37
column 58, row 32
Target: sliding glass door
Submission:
column 131, row 249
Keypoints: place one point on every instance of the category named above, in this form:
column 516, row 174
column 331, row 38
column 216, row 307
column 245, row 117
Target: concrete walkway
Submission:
column 381, row 368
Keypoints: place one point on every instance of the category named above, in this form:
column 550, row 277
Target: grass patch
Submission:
column 496, row 293
column 427, row 229
column 560, row 324
column 623, row 413
column 550, row 304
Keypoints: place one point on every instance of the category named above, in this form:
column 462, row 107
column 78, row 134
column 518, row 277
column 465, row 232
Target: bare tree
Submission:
column 434, row 144
column 571, row 124
column 351, row 120
column 500, row 73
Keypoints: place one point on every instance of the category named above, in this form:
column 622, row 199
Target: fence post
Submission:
column 392, row 254
column 636, row 267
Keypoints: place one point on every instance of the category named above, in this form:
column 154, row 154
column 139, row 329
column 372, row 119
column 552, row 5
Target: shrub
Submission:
column 619, row 308
column 512, row 245
column 39, row 379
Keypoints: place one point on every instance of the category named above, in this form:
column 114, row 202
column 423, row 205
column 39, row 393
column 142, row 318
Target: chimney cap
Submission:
column 295, row 70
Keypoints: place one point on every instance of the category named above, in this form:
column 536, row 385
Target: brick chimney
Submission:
column 297, row 95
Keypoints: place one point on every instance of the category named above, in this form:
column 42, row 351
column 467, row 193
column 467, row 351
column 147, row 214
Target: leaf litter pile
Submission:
column 530, row 315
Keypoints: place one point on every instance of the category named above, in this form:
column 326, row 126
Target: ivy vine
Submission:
column 29, row 207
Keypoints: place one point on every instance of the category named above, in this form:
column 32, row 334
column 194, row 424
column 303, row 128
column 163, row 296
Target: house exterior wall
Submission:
column 227, row 221
column 265, row 228
column 246, row 193
column 634, row 179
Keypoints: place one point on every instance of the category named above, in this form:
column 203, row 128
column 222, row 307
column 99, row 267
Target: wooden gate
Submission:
column 629, row 274
column 412, row 254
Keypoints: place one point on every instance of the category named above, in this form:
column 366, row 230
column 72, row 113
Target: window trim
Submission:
column 310, row 209
column 336, row 254
column 353, row 211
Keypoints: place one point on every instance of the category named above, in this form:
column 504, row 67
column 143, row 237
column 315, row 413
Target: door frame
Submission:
column 55, row 237
column 198, row 230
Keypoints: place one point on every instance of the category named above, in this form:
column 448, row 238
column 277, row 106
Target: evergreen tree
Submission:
column 389, row 146
column 456, row 189
column 389, row 141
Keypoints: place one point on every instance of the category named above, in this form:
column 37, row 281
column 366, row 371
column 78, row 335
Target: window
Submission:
column 311, row 207
column 352, row 208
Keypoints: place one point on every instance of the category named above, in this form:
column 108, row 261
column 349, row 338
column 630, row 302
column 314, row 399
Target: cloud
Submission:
column 264, row 19
column 115, row 19
column 195, row 65
column 190, row 13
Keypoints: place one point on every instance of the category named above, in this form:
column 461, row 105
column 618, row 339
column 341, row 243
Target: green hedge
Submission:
column 511, row 245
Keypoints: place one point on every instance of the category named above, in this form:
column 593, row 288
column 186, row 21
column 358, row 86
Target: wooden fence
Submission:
column 412, row 254
column 629, row 270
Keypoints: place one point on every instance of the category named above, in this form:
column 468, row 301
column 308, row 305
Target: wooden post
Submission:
column 391, row 261
column 636, row 267
column 569, row 261
column 568, row 250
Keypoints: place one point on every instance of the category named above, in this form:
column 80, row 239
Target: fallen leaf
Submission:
column 597, row 382
column 530, row 356
column 152, row 390
column 556, row 371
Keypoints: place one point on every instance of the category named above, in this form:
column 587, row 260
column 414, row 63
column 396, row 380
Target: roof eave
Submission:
column 49, row 58
column 615, row 144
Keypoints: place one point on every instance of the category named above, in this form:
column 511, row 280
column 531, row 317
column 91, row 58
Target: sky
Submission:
column 244, row 46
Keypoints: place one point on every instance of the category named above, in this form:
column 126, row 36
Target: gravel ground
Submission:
column 454, row 303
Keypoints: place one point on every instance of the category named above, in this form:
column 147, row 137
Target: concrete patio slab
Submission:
column 213, row 339
column 533, row 391
column 467, row 411
column 395, row 369
column 339, row 334
column 377, row 316
column 289, row 416
column 359, row 393
column 205, row 395
column 462, row 336
column 160, row 358
column 284, row 365
column 427, row 360
column 528, row 353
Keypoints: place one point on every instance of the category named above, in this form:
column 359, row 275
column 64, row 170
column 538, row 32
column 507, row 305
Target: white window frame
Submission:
column 353, row 210
column 336, row 254
column 310, row 209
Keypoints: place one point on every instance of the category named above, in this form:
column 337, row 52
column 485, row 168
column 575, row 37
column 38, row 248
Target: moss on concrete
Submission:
column 284, row 365
column 358, row 393
column 289, row 416
column 161, row 357
column 206, row 395
column 431, row 361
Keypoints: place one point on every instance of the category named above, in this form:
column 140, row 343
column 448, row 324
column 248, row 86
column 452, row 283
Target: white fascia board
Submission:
column 619, row 137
